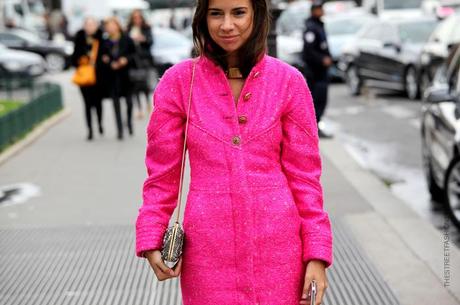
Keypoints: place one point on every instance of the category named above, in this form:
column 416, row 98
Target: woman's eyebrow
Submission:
column 233, row 9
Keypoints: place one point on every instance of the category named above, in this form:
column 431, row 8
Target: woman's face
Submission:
column 111, row 27
column 230, row 22
column 137, row 19
column 90, row 26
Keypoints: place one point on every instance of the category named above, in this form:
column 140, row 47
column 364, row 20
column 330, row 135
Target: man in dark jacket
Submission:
column 317, row 60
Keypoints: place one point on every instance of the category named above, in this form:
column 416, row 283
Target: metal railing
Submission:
column 38, row 100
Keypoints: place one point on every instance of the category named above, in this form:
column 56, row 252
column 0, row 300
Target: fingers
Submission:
column 305, row 300
column 321, row 285
column 306, row 286
column 162, row 271
column 177, row 269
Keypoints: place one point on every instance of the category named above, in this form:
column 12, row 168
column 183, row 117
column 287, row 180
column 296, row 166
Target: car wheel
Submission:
column 55, row 62
column 452, row 189
column 436, row 192
column 411, row 84
column 353, row 80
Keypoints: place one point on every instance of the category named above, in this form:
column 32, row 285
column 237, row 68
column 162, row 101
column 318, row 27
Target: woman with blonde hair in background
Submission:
column 87, row 42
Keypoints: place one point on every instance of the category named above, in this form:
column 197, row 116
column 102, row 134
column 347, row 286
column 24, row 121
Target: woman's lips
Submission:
column 229, row 39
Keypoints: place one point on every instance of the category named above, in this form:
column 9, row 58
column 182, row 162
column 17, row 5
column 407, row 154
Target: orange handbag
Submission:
column 85, row 74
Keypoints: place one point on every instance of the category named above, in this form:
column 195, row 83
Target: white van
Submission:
column 27, row 14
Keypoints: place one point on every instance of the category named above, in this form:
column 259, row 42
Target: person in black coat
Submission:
column 317, row 59
column 117, row 51
column 84, row 41
column 141, row 33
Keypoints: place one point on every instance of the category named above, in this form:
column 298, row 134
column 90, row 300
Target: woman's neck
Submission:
column 115, row 36
column 232, row 60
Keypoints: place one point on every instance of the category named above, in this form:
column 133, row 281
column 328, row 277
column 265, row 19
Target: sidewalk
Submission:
column 74, row 244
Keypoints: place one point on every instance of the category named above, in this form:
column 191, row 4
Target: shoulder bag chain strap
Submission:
column 185, row 143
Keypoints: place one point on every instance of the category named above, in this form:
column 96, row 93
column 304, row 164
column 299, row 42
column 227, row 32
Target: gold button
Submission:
column 242, row 119
column 257, row 74
column 247, row 96
column 236, row 140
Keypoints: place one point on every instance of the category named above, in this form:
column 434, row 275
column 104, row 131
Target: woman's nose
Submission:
column 227, row 25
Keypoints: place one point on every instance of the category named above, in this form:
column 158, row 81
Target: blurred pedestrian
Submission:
column 57, row 26
column 117, row 51
column 255, row 228
column 317, row 60
column 87, row 48
column 141, row 33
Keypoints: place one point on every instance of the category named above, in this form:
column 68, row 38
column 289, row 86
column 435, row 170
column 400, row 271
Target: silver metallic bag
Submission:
column 173, row 239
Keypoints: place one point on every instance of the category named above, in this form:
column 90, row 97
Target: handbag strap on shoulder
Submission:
column 94, row 50
column 179, row 198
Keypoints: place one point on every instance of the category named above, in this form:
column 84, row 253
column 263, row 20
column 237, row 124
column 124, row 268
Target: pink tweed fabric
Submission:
column 254, row 213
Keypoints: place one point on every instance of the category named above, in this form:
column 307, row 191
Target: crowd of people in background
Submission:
column 122, row 62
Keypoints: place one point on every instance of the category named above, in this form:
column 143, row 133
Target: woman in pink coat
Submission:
column 255, row 228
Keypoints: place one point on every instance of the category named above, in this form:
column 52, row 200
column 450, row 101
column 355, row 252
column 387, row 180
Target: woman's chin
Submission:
column 229, row 48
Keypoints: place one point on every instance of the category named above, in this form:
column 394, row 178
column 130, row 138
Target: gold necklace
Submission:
column 234, row 73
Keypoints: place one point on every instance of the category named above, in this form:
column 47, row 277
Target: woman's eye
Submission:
column 214, row 13
column 240, row 13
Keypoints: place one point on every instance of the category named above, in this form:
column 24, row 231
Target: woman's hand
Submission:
column 162, row 271
column 123, row 61
column 105, row 59
column 120, row 63
column 316, row 270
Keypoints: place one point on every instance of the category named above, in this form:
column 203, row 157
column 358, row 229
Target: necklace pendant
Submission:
column 234, row 73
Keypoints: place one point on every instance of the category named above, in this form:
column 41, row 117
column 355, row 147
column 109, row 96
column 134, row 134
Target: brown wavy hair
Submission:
column 249, row 53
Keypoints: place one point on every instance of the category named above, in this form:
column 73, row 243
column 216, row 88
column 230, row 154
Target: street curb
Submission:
column 36, row 133
column 406, row 249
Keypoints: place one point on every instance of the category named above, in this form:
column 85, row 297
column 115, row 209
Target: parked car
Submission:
column 442, row 8
column 440, row 131
column 57, row 56
column 390, row 9
column 169, row 48
column 386, row 55
column 338, row 7
column 289, row 50
column 435, row 51
column 340, row 30
column 21, row 63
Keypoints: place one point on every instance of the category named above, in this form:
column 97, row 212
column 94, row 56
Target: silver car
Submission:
column 21, row 63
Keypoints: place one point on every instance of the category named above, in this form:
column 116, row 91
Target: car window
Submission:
column 10, row 39
column 416, row 32
column 453, row 66
column 372, row 32
column 388, row 34
column 345, row 26
column 398, row 4
column 27, row 36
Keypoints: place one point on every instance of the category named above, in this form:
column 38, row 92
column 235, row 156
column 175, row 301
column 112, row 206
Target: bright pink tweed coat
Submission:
column 254, row 213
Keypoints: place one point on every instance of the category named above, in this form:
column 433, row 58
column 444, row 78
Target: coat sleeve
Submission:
column 165, row 140
column 302, row 166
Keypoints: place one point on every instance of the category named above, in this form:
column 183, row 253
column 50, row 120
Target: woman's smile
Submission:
column 229, row 39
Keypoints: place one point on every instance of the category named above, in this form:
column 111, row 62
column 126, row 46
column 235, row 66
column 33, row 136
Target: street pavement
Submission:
column 75, row 189
column 381, row 130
